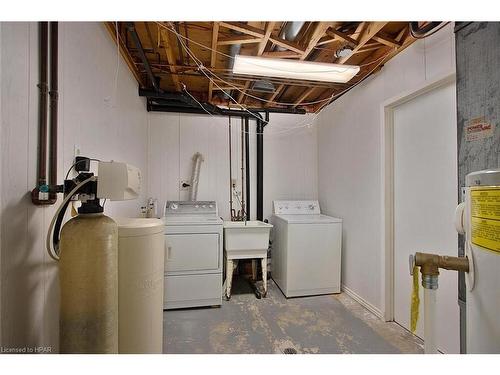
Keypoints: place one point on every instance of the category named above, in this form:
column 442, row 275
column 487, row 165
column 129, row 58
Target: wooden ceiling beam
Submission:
column 367, row 49
column 276, row 93
column 286, row 44
column 336, row 35
column 111, row 27
column 387, row 41
column 380, row 57
column 167, row 46
column 241, row 94
column 260, row 49
column 369, row 30
column 304, row 96
column 259, row 33
column 242, row 27
column 239, row 39
column 213, row 56
column 263, row 43
column 317, row 34
column 282, row 54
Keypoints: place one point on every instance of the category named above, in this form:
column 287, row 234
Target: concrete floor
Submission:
column 321, row 324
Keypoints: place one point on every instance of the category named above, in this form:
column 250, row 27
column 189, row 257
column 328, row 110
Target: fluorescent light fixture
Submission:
column 286, row 68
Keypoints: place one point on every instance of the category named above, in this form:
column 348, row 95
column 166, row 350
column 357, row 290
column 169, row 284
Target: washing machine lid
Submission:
column 309, row 219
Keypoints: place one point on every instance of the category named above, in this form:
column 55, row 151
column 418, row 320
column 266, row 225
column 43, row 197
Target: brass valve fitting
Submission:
column 431, row 263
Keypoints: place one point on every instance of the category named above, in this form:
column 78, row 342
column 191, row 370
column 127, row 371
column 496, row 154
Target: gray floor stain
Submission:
column 320, row 324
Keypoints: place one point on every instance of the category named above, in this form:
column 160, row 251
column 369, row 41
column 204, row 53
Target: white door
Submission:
column 425, row 197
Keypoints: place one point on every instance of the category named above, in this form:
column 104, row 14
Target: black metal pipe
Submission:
column 247, row 168
column 137, row 43
column 42, row 106
column 260, row 170
column 216, row 111
column 54, row 98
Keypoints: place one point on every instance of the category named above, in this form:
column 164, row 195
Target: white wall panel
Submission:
column 105, row 123
column 349, row 153
column 290, row 158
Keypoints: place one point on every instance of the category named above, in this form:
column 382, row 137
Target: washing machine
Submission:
column 193, row 254
column 306, row 249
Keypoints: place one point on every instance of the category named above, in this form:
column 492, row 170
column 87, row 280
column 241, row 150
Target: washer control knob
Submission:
column 174, row 206
column 311, row 206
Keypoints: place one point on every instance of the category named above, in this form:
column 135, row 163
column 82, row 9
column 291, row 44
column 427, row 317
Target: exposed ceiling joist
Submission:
column 387, row 41
column 304, row 96
column 319, row 31
column 213, row 56
column 240, row 39
column 161, row 54
column 336, row 35
column 265, row 39
column 259, row 33
column 260, row 50
column 369, row 30
column 164, row 37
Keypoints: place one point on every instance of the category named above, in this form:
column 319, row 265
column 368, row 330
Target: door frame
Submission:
column 387, row 162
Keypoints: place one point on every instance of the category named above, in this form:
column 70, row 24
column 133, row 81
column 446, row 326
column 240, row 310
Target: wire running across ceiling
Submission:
column 195, row 58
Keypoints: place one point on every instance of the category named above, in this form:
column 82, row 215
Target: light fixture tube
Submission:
column 293, row 69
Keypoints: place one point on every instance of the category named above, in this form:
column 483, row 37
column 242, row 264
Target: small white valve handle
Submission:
column 459, row 218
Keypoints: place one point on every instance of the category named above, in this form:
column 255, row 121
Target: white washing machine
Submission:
column 193, row 255
column 306, row 249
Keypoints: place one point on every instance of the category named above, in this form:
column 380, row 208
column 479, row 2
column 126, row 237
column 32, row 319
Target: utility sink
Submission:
column 245, row 240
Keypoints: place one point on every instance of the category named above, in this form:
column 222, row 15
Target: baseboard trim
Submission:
column 367, row 305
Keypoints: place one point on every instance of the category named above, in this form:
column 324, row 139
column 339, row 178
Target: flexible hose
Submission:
column 48, row 243
column 195, row 176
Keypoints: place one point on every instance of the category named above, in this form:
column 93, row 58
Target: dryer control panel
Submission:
column 296, row 208
column 206, row 208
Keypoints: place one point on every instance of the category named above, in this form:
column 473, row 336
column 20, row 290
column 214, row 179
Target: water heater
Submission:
column 478, row 218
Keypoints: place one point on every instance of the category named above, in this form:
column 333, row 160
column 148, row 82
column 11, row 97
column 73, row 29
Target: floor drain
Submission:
column 290, row 351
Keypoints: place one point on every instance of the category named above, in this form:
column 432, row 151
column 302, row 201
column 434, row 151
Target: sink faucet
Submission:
column 242, row 215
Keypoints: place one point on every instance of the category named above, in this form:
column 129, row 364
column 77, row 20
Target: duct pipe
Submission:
column 290, row 32
column 54, row 98
column 247, row 168
column 195, row 176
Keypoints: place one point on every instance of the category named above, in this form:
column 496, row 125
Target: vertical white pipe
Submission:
column 195, row 176
column 430, row 321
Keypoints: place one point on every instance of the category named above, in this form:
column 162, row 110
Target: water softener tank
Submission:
column 479, row 219
column 88, row 272
column 141, row 252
